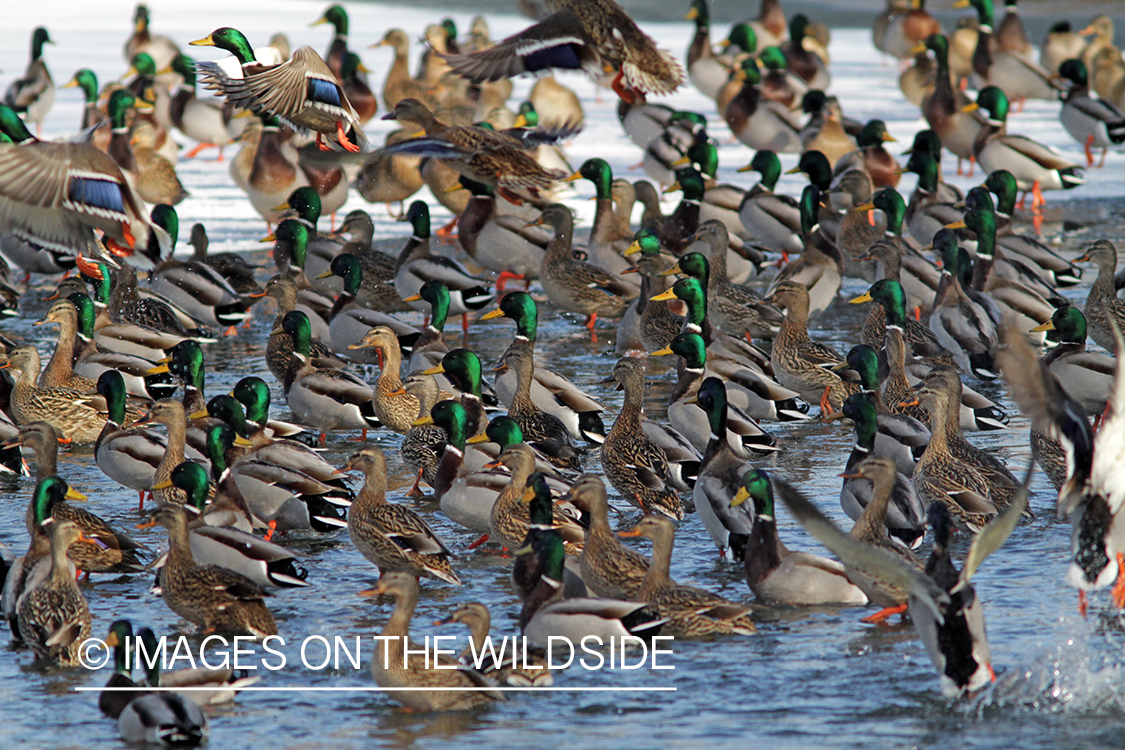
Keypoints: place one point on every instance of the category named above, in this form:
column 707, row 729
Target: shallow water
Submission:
column 809, row 678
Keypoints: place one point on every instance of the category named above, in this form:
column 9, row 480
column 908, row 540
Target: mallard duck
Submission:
column 302, row 92
column 193, row 287
column 944, row 109
column 906, row 517
column 1103, row 309
column 736, row 309
column 160, row 47
column 608, row 567
column 752, row 393
column 387, row 178
column 59, row 372
column 120, row 639
column 171, row 414
column 820, row 267
column 940, row 476
column 774, row 573
column 1014, row 72
column 263, row 562
column 609, row 234
column 153, row 176
column 758, row 122
column 254, row 395
column 399, row 84
column 278, row 481
column 1034, row 166
column 513, row 515
column 481, row 154
column 541, row 429
column 1054, row 269
column 647, row 325
column 279, row 348
column 549, row 390
column 770, row 219
column 578, row 37
column 634, row 465
column 828, row 135
column 500, row 242
column 575, row 285
column 67, row 410
column 891, row 311
column 127, row 304
column 691, row 612
column 1086, row 376
column 416, row 265
column 401, row 668
column 360, row 308
column 872, row 157
column 92, row 113
column 111, row 551
column 213, row 598
column 706, row 70
column 322, row 397
column 202, row 121
column 507, row 671
column 547, row 612
column 54, row 619
column 800, row 363
column 720, row 475
column 907, row 29
column 170, row 718
column 92, row 360
column 1062, row 43
column 338, row 48
column 870, row 528
column 69, row 169
column 34, row 93
column 1091, row 122
column 32, row 568
column 942, row 604
column 266, row 167
column 392, row 536
column 963, row 327
column 394, row 408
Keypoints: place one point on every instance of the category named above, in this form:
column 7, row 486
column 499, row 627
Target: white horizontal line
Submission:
column 294, row 689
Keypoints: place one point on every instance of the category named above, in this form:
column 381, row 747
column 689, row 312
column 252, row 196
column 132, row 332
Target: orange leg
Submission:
column 972, row 165
column 884, row 614
column 590, row 321
column 504, row 278
column 141, row 501
column 479, row 542
column 621, row 90
column 321, row 144
column 1089, row 153
column 959, row 171
column 465, row 323
column 1037, row 201
column 231, row 330
column 447, row 230
column 1082, row 602
column 1119, row 587
column 323, row 438
column 825, row 408
column 272, row 527
column 195, row 151
column 342, row 136
column 416, row 490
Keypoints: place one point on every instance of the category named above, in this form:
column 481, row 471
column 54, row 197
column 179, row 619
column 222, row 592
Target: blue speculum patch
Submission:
column 565, row 57
column 324, row 92
column 105, row 194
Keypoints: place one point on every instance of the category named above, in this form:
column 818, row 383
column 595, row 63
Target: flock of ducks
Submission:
column 504, row 448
